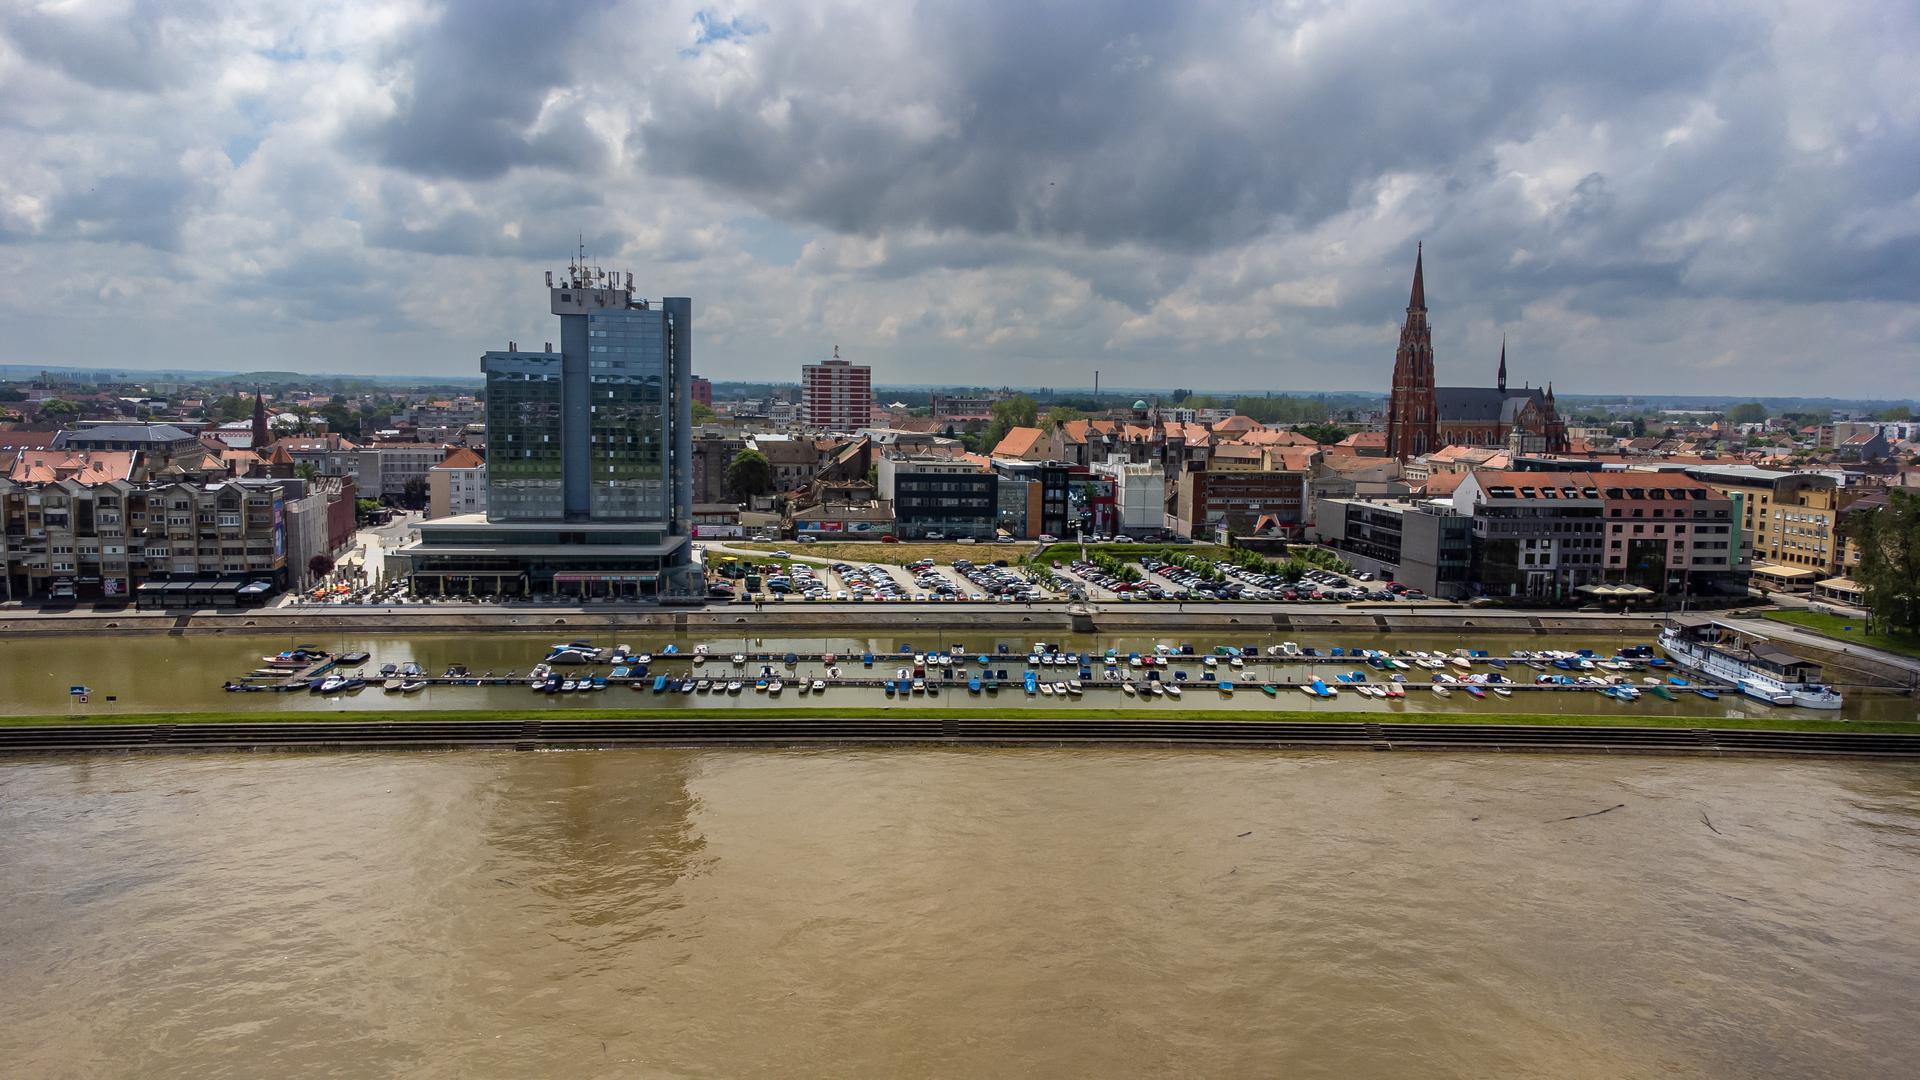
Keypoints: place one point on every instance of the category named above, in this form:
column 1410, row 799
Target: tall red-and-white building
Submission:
column 836, row 395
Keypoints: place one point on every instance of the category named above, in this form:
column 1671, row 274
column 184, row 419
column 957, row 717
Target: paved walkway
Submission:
column 1787, row 632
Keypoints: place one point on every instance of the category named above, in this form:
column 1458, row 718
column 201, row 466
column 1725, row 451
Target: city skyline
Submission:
column 1637, row 200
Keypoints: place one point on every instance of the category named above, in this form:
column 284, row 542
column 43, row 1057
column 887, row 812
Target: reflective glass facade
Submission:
column 628, row 436
column 524, row 446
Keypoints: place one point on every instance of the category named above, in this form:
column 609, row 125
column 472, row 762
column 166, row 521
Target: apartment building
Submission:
column 70, row 538
column 1670, row 533
column 1535, row 534
column 457, row 485
column 1785, row 519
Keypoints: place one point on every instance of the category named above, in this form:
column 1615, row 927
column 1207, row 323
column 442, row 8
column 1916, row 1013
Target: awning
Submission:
column 606, row 579
column 1614, row 590
column 1785, row 573
column 1839, row 584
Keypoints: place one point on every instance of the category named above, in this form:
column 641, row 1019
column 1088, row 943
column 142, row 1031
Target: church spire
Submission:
column 260, row 434
column 1418, row 301
column 1503, row 363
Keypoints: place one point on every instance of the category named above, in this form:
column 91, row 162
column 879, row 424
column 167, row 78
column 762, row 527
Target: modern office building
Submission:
column 1422, row 543
column 836, row 395
column 939, row 497
column 1540, row 534
column 589, row 457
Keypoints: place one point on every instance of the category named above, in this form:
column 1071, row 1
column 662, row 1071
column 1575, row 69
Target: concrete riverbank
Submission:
column 816, row 619
column 947, row 730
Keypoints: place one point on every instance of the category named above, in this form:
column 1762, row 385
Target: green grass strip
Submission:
column 1852, row 630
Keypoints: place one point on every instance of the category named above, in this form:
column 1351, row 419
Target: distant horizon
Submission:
column 10, row 372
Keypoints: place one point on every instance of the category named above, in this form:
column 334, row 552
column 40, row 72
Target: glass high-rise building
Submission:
column 589, row 454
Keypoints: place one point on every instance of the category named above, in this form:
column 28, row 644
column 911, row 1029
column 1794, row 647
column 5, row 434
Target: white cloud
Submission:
column 1639, row 197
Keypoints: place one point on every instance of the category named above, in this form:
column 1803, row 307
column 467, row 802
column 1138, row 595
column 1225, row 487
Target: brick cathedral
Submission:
column 1422, row 417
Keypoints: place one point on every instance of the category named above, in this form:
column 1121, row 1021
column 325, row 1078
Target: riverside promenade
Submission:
column 832, row 617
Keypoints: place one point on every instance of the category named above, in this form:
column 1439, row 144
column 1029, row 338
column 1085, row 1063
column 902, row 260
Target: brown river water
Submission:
column 933, row 913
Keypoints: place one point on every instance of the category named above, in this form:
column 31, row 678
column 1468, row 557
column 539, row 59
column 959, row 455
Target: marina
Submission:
column 1384, row 674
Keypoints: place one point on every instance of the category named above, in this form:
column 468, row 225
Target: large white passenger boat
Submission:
column 1701, row 645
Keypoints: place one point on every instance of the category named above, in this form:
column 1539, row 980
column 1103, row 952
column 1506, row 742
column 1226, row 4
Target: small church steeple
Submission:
column 261, row 436
column 1503, row 364
column 1418, row 300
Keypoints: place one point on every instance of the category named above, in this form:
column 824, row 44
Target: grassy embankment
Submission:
column 1851, row 630
column 1785, row 722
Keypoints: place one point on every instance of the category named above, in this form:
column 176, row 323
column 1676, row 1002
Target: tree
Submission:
column 1750, row 413
column 702, row 413
column 1324, row 434
column 749, row 474
column 1016, row 411
column 1061, row 414
column 413, row 493
column 1181, row 395
column 320, row 565
column 1896, row 414
column 1889, row 570
column 59, row 408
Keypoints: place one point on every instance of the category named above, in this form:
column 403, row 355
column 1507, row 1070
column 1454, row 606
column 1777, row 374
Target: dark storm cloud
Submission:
column 477, row 80
column 1186, row 127
column 131, row 50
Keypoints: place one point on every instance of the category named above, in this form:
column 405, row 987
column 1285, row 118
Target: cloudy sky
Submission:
column 1680, row 197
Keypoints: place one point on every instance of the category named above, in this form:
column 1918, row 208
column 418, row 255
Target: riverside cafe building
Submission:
column 468, row 555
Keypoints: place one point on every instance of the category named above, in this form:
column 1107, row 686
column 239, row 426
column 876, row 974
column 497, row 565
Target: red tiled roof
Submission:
column 1018, row 442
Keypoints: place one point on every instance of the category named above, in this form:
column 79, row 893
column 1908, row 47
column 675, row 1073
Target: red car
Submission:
column 889, row 539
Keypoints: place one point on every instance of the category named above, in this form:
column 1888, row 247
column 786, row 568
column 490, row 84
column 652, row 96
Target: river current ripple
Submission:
column 903, row 913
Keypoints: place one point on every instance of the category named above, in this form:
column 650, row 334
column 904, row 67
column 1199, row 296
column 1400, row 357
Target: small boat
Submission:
column 659, row 684
column 1441, row 691
column 973, row 685
column 1074, row 687
column 1032, row 684
column 1675, row 680
column 704, row 685
column 739, row 658
column 733, row 686
column 332, row 684
column 413, row 686
column 568, row 686
column 1127, row 689
column 1710, row 695
column 1309, row 691
column 1496, row 662
column 1226, row 689
column 1173, row 689
column 887, row 685
column 819, row 686
column 1269, row 689
column 1461, row 662
column 1662, row 693
column 688, row 686
column 389, row 670
column 1503, row 691
column 1475, row 691
column 392, row 685
column 919, row 686
column 774, row 687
